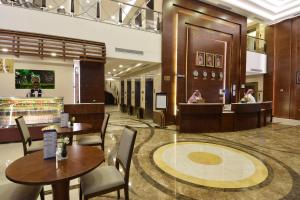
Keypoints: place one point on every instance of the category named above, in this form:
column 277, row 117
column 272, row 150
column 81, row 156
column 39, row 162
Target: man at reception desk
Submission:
column 249, row 98
column 196, row 97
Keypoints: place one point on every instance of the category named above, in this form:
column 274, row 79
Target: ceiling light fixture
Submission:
column 113, row 17
column 5, row 50
column 61, row 7
column 87, row 1
column 138, row 65
column 50, row 6
column 53, row 54
column 108, row 72
column 114, row 70
column 121, row 66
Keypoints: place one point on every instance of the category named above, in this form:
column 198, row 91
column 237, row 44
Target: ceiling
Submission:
column 267, row 11
column 117, row 68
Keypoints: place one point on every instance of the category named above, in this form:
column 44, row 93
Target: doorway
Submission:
column 122, row 92
column 128, row 93
column 149, row 98
column 137, row 92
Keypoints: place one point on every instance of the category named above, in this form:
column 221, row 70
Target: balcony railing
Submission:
column 107, row 11
column 256, row 44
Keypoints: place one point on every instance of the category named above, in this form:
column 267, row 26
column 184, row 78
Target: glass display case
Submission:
column 34, row 110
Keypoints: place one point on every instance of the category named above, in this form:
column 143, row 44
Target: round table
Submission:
column 77, row 129
column 32, row 169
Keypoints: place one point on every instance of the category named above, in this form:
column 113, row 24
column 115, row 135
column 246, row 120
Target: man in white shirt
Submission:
column 249, row 96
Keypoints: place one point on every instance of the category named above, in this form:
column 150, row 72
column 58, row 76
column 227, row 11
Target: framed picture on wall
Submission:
column 200, row 58
column 219, row 62
column 298, row 77
column 209, row 60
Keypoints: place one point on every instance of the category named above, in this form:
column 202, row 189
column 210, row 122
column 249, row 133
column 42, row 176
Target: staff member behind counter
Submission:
column 36, row 90
column 196, row 97
column 249, row 98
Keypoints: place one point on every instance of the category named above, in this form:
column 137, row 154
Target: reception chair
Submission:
column 107, row 179
column 29, row 146
column 14, row 191
column 96, row 139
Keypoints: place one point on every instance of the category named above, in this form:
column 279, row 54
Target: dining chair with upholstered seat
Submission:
column 107, row 179
column 96, row 140
column 14, row 191
column 29, row 146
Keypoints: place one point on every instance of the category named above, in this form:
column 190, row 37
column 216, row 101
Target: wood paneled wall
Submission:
column 91, row 82
column 201, row 21
column 283, row 49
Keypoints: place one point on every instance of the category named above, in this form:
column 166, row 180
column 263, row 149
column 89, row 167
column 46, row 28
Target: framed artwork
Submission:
column 24, row 78
column 298, row 77
column 219, row 62
column 209, row 60
column 200, row 58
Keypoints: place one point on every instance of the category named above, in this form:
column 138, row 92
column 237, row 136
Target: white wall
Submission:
column 260, row 80
column 63, row 78
column 20, row 19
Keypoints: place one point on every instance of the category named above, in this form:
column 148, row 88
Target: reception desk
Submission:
column 211, row 117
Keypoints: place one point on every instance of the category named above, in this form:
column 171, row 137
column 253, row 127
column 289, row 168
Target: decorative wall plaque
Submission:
column 213, row 75
column 221, row 76
column 204, row 74
column 195, row 73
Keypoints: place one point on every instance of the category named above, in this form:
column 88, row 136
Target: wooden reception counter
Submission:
column 211, row 117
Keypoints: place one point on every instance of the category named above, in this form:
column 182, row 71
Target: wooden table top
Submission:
column 77, row 129
column 32, row 169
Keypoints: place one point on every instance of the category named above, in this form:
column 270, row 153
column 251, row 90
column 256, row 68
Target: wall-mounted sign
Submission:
column 167, row 78
column 219, row 63
column 24, row 79
column 161, row 101
column 200, row 58
column 6, row 65
column 209, row 60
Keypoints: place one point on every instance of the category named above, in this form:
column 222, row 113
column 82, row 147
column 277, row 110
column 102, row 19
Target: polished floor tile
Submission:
column 257, row 164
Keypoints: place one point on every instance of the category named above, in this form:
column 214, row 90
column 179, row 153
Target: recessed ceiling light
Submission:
column 87, row 1
column 61, row 7
column 121, row 66
column 113, row 17
column 50, row 6
column 139, row 64
column 5, row 50
column 53, row 54
column 114, row 70
column 109, row 72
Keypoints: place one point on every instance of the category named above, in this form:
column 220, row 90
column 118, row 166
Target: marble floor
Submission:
column 260, row 164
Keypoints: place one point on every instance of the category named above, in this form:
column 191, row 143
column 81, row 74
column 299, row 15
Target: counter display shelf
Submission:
column 34, row 110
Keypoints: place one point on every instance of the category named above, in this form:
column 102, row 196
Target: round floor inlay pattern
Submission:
column 205, row 158
column 210, row 165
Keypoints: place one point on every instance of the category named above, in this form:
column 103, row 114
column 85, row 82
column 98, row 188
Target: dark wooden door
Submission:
column 137, row 92
column 149, row 98
column 128, row 92
column 122, row 92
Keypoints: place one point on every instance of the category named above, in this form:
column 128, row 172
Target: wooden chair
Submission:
column 29, row 146
column 107, row 179
column 96, row 140
column 14, row 191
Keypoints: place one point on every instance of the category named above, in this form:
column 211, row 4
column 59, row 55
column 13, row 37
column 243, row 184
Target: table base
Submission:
column 60, row 190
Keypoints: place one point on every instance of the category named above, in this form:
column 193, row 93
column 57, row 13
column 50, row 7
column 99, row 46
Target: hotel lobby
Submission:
column 149, row 99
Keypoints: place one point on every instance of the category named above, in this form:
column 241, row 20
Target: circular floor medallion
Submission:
column 210, row 165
